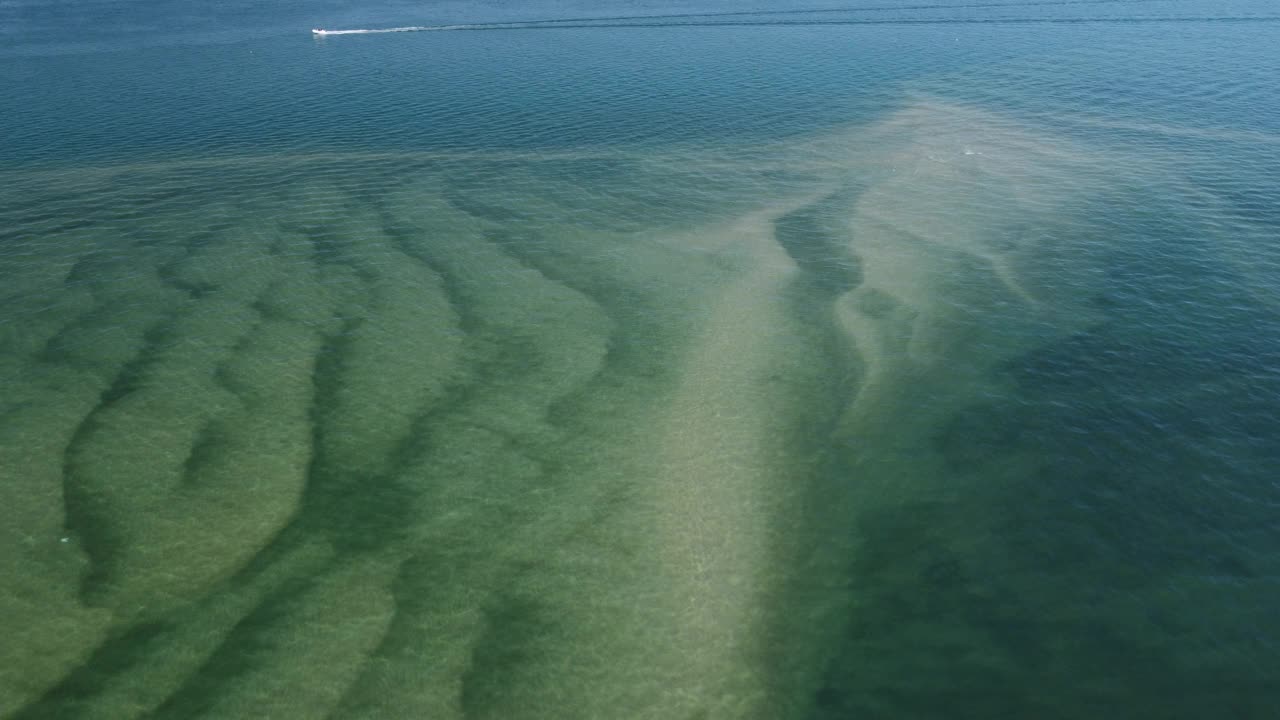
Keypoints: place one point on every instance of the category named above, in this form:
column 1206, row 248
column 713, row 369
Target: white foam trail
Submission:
column 576, row 25
column 414, row 28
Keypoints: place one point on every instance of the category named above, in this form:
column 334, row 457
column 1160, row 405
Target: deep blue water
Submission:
column 726, row 360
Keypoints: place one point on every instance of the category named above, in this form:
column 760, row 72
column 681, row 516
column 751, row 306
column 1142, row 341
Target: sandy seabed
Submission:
column 511, row 436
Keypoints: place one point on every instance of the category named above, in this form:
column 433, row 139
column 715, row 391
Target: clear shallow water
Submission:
column 822, row 371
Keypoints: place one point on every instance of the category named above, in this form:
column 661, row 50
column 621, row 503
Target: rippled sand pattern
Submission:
column 487, row 436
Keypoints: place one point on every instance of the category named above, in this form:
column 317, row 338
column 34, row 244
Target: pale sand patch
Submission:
column 721, row 462
column 654, row 599
column 972, row 255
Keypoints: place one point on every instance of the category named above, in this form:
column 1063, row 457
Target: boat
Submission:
column 317, row 31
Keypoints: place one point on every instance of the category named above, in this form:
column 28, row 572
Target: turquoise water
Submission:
column 724, row 360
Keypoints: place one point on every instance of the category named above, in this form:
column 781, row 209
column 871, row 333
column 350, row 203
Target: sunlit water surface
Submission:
column 874, row 363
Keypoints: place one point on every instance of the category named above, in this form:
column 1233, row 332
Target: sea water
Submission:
column 717, row 360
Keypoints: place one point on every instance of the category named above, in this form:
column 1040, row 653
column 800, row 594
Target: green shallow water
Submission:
column 943, row 388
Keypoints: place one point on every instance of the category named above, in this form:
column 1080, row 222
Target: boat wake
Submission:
column 414, row 28
column 797, row 16
column 574, row 25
